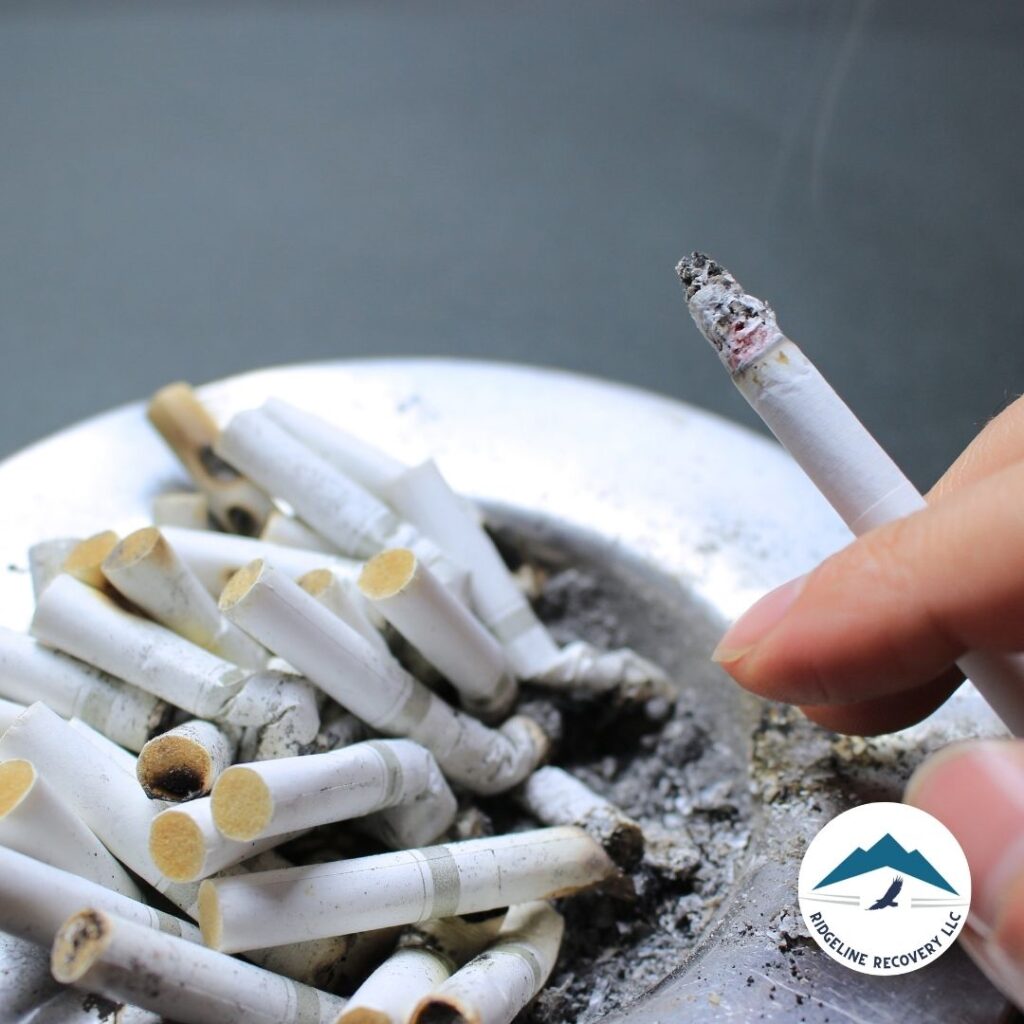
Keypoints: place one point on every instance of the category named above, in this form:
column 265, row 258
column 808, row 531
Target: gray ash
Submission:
column 662, row 764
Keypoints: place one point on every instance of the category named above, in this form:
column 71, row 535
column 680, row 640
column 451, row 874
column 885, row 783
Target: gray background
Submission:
column 187, row 191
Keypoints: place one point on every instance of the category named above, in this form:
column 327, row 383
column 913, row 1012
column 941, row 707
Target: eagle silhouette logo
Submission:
column 889, row 899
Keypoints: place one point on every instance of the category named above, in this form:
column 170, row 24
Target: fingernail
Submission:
column 977, row 791
column 751, row 627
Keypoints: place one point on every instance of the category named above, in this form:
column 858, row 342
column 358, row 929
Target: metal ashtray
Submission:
column 685, row 519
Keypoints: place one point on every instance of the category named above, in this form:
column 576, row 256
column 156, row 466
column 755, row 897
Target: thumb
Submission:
column 977, row 791
column 895, row 608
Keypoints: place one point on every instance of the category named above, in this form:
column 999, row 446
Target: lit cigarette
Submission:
column 495, row 986
column 843, row 460
column 184, row 762
column 30, row 672
column 87, row 624
column 35, row 821
column 333, row 504
column 290, row 532
column 186, row 846
column 36, row 898
column 283, row 617
column 95, row 785
column 441, row 628
column 216, row 557
column 343, row 598
column 97, row 952
column 46, row 559
column 187, row 509
column 192, row 433
column 272, row 907
column 554, row 797
column 426, row 957
column 147, row 570
column 423, row 496
column 86, row 557
column 296, row 793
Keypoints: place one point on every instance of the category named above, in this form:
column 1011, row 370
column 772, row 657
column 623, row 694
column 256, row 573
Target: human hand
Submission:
column 867, row 642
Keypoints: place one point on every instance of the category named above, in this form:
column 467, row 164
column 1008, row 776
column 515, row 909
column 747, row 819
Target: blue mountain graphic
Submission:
column 886, row 853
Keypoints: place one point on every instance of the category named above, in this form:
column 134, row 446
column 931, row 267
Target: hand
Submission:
column 867, row 642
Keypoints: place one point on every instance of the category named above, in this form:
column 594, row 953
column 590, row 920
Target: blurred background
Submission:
column 192, row 190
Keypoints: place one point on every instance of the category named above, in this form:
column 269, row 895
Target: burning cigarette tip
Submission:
column 740, row 327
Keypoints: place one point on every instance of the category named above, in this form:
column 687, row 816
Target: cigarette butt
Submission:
column 184, row 762
column 191, row 432
column 275, row 907
column 86, row 557
column 187, row 509
column 98, row 952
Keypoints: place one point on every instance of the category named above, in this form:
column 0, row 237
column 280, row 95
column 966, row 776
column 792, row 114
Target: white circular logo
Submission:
column 884, row 888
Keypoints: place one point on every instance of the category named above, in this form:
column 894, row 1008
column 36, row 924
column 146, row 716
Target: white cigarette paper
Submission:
column 554, row 797
column 9, row 711
column 283, row 617
column 35, row 821
column 29, row 672
column 106, row 797
column 295, row 793
column 186, row 846
column 342, row 597
column 332, row 503
column 495, row 986
column 83, row 622
column 192, row 433
column 46, row 559
column 184, row 762
column 423, row 496
column 85, row 558
column 290, row 532
column 842, row 459
column 36, row 898
column 441, row 628
column 146, row 570
column 216, row 557
column 425, row 958
column 98, row 952
column 366, row 465
column 273, row 907
column 187, row 509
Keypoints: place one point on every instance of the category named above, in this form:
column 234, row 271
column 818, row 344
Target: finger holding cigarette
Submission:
column 283, row 617
column 493, row 987
column 272, row 907
column 98, row 952
column 839, row 646
column 191, row 432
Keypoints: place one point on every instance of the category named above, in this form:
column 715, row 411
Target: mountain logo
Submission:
column 884, row 888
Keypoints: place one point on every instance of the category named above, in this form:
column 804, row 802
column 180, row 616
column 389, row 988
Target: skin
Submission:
column 866, row 643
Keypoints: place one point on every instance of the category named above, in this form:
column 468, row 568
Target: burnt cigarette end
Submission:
column 698, row 269
column 439, row 1010
column 80, row 941
column 242, row 521
column 174, row 768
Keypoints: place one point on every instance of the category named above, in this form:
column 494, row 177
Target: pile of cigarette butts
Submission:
column 317, row 634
